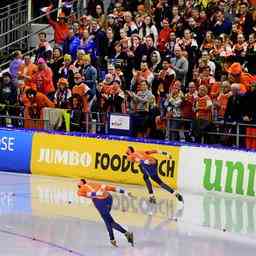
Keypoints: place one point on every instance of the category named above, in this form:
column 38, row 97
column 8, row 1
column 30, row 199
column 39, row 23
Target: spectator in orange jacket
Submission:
column 83, row 91
column 26, row 72
column 203, row 104
column 238, row 76
column 60, row 29
column 222, row 99
column 164, row 35
column 43, row 79
column 203, row 108
column 189, row 102
column 34, row 102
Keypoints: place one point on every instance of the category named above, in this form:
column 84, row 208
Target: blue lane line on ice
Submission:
column 42, row 242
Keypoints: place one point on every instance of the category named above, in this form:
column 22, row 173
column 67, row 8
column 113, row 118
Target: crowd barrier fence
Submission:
column 235, row 134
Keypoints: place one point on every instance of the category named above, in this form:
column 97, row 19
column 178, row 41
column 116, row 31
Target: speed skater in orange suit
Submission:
column 102, row 200
column 149, row 169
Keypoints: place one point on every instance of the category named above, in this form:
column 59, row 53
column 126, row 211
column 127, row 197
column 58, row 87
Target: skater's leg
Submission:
column 145, row 171
column 108, row 222
column 118, row 227
column 152, row 198
column 112, row 224
column 148, row 183
column 163, row 185
column 104, row 206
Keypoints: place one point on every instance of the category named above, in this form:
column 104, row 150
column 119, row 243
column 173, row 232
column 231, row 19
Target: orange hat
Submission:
column 63, row 81
column 235, row 69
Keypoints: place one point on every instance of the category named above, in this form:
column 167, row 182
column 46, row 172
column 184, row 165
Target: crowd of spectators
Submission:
column 155, row 60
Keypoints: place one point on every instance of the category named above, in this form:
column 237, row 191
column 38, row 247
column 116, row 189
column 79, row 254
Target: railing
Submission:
column 13, row 8
column 233, row 134
column 19, row 37
column 229, row 134
column 11, row 17
column 11, row 5
column 12, row 116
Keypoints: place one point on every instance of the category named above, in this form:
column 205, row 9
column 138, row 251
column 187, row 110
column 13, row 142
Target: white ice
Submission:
column 43, row 216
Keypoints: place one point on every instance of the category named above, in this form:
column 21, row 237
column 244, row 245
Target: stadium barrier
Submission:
column 193, row 167
column 216, row 169
column 101, row 158
column 239, row 135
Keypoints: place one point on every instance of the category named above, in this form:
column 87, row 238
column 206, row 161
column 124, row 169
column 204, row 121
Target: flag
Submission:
column 47, row 8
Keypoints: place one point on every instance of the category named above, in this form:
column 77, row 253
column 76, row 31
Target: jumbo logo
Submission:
column 96, row 158
column 105, row 161
column 64, row 157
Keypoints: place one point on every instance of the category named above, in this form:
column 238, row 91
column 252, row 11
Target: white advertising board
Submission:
column 119, row 122
column 212, row 169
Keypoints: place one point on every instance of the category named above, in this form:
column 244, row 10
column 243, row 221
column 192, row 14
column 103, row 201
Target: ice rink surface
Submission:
column 43, row 216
